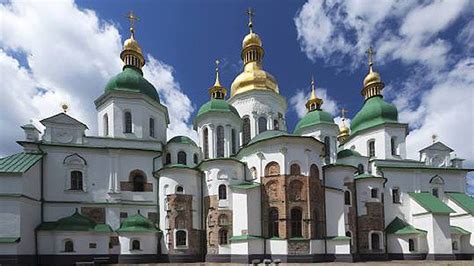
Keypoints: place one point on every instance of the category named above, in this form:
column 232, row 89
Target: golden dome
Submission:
column 371, row 78
column 251, row 39
column 343, row 130
column 132, row 44
column 254, row 79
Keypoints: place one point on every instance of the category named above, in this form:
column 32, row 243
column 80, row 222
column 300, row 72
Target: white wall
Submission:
column 148, row 243
column 52, row 243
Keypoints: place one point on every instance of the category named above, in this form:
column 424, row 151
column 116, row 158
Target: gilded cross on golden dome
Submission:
column 250, row 13
column 132, row 18
column 371, row 52
column 217, row 83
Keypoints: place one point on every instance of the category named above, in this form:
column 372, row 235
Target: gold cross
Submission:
column 132, row 18
column 217, row 65
column 371, row 52
column 343, row 112
column 250, row 13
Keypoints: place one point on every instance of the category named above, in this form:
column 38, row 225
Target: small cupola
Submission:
column 313, row 103
column 343, row 129
column 373, row 84
column 131, row 54
column 217, row 91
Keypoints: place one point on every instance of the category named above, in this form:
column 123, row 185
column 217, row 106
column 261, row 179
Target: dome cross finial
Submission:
column 313, row 103
column 251, row 14
column 370, row 55
column 217, row 83
column 343, row 113
column 132, row 18
column 217, row 91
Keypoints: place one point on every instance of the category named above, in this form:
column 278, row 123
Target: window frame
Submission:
column 127, row 122
column 151, row 124
column 222, row 192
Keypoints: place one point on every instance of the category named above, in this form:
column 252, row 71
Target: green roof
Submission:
column 463, row 200
column 182, row 140
column 269, row 134
column 456, row 230
column 131, row 80
column 365, row 176
column 431, row 203
column 347, row 153
column 217, row 106
column 9, row 240
column 137, row 223
column 312, row 118
column 244, row 237
column 246, row 185
column 400, row 227
column 75, row 222
column 19, row 163
column 374, row 112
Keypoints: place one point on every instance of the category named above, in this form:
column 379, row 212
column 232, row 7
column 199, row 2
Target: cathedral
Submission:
column 248, row 190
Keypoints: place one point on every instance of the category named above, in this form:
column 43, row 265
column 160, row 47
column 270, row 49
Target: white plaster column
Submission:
column 254, row 131
column 283, row 152
column 261, row 157
column 227, row 140
column 212, row 142
column 270, row 121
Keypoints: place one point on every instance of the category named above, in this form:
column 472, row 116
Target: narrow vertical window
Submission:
column 168, row 158
column 246, row 130
column 138, row 181
column 220, row 141
column 276, row 124
column 76, row 180
column 181, row 238
column 152, row 127
column 222, row 192
column 327, row 149
column 206, row 143
column 347, row 197
column 223, row 237
column 182, row 157
column 296, row 223
column 135, row 245
column 68, row 246
column 106, row 125
column 371, row 148
column 273, row 220
column 262, row 124
column 360, row 169
column 374, row 193
column 195, row 158
column 393, row 146
column 375, row 241
column 411, row 244
column 128, row 122
column 234, row 142
column 396, row 195
column 435, row 192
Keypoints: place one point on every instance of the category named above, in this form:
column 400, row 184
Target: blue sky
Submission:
column 64, row 51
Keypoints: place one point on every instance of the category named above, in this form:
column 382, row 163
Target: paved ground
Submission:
column 372, row 263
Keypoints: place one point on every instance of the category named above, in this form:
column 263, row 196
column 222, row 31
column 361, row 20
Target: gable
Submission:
column 437, row 146
column 62, row 119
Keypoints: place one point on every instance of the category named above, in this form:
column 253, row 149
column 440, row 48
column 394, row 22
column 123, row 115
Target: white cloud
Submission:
column 57, row 53
column 298, row 101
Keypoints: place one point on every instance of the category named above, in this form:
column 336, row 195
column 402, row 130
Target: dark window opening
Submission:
column 223, row 237
column 76, row 180
column 195, row 158
column 411, row 245
column 152, row 127
column 182, row 157
column 206, row 143
column 246, row 131
column 375, row 241
column 68, row 246
column 374, row 193
column 262, row 124
column 220, row 141
column 395, row 195
column 128, row 122
column 296, row 223
column 138, row 181
column 273, row 223
column 181, row 238
column 295, row 169
column 222, row 192
column 347, row 197
column 135, row 245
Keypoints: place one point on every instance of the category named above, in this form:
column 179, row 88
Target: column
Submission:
column 270, row 121
column 254, row 130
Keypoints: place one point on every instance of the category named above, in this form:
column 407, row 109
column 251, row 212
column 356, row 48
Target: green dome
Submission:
column 216, row 105
column 137, row 223
column 374, row 112
column 269, row 134
column 182, row 140
column 75, row 222
column 313, row 118
column 347, row 153
column 132, row 80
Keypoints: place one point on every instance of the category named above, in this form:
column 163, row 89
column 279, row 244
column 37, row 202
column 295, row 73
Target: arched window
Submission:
column 179, row 190
column 371, row 148
column 195, row 158
column 455, row 245
column 395, row 195
column 393, row 146
column 411, row 244
column 262, row 124
column 135, row 244
column 152, row 127
column 375, row 241
column 295, row 169
column 223, row 220
column 296, row 223
column 127, row 122
column 181, row 238
column 106, row 124
column 222, row 192
column 68, row 246
column 327, row 149
column 276, row 124
column 314, row 171
column 206, row 143
column 296, row 187
column 360, row 169
column 246, row 130
column 223, row 237
column 253, row 172
column 180, row 222
column 168, row 158
column 220, row 141
column 138, row 181
column 273, row 220
column 272, row 168
column 374, row 193
column 234, row 141
column 182, row 157
column 76, row 180
column 435, row 192
column 347, row 197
